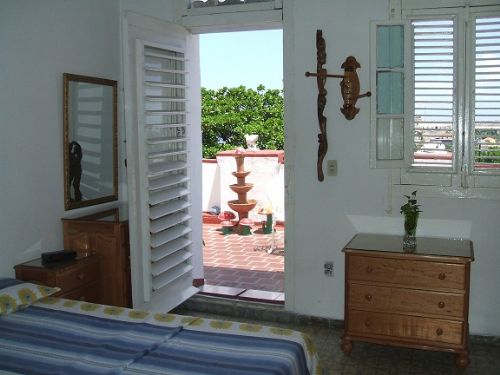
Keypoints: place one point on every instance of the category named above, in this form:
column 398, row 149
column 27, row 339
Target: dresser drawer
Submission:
column 406, row 272
column 370, row 297
column 88, row 293
column 77, row 276
column 405, row 327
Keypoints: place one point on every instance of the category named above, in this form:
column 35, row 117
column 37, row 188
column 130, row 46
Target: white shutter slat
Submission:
column 165, row 85
column 160, row 154
column 167, row 195
column 159, row 70
column 158, row 239
column 167, row 209
column 151, row 98
column 162, row 251
column 170, row 180
column 158, row 169
column 163, row 223
column 166, row 56
column 164, row 265
column 165, row 113
column 169, row 277
column 166, row 125
column 165, row 140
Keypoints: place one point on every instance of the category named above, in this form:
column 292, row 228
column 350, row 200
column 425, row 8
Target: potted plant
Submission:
column 411, row 211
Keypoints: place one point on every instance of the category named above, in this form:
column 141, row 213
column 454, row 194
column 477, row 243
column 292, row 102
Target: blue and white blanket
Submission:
column 59, row 336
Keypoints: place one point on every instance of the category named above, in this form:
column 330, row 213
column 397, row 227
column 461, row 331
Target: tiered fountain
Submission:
column 242, row 205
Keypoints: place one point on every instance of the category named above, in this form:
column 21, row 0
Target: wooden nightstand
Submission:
column 78, row 279
column 417, row 300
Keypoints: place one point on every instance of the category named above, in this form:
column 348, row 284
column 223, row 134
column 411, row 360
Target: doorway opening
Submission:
column 242, row 96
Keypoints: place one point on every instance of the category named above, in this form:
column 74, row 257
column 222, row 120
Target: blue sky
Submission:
column 247, row 58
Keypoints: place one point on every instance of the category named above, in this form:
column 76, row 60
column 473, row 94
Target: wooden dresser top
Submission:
column 426, row 246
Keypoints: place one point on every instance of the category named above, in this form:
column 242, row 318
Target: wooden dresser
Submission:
column 106, row 234
column 78, row 279
column 414, row 299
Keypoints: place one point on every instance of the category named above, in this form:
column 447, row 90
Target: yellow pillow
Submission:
column 16, row 294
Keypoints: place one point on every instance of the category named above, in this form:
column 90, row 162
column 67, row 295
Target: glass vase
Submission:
column 409, row 239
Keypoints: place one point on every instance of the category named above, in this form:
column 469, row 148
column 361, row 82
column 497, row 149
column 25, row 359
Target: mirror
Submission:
column 90, row 141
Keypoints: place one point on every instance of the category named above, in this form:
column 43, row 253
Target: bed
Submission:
column 42, row 334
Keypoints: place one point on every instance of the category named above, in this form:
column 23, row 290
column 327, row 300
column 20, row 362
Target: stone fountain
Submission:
column 242, row 205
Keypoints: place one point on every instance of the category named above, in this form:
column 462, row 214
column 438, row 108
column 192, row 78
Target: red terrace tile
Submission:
column 245, row 256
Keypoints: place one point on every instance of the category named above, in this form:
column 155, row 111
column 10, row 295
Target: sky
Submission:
column 247, row 58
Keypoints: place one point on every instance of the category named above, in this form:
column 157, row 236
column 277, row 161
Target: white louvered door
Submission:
column 165, row 220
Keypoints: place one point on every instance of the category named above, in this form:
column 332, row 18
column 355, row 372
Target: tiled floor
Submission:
column 243, row 266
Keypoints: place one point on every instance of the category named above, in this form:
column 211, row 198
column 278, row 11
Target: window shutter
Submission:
column 165, row 163
column 389, row 103
column 486, row 94
column 434, row 89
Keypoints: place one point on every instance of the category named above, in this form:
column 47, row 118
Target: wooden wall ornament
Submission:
column 349, row 87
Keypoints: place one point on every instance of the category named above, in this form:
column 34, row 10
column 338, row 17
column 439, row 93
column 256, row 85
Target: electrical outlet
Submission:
column 328, row 268
column 331, row 167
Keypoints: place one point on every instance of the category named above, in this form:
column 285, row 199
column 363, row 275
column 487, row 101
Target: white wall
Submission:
column 40, row 40
column 210, row 185
column 357, row 199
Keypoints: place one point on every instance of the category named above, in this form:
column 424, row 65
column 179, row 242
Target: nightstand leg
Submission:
column 346, row 346
column 462, row 360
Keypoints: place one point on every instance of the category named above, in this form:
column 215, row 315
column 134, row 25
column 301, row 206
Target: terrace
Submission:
column 247, row 267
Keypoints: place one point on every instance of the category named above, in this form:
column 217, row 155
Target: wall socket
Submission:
column 331, row 167
column 328, row 268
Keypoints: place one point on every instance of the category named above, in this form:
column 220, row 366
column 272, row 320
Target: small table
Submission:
column 416, row 300
column 78, row 279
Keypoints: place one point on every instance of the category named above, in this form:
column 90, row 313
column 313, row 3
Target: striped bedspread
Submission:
column 59, row 336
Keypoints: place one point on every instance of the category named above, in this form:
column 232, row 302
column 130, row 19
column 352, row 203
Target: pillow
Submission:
column 17, row 294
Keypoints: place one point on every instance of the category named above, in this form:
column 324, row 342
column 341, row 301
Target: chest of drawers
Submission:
column 418, row 299
column 78, row 279
column 106, row 234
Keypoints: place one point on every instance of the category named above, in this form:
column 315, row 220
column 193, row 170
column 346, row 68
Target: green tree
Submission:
column 229, row 113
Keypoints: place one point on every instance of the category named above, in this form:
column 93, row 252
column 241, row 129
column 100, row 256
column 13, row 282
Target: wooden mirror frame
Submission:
column 98, row 108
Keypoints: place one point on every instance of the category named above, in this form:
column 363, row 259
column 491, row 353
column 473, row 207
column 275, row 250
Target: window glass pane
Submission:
column 389, row 139
column 487, row 94
column 390, row 46
column 390, row 94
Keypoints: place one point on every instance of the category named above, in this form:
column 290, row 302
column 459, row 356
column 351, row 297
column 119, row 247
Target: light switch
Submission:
column 331, row 167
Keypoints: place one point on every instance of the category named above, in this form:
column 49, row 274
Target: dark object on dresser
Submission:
column 58, row 256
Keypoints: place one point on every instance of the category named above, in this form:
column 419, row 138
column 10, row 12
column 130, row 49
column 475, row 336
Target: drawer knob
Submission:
column 81, row 276
column 441, row 304
column 439, row 331
column 368, row 297
column 442, row 276
column 368, row 323
column 369, row 269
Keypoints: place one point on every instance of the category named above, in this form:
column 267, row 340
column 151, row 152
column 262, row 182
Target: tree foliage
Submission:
column 229, row 113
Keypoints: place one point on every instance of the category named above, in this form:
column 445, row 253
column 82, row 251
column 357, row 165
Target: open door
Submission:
column 163, row 134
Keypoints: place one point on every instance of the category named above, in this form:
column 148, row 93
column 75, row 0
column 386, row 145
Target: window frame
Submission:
column 461, row 180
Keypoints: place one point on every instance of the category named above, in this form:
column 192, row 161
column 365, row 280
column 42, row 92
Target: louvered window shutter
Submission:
column 486, row 94
column 435, row 92
column 164, row 154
